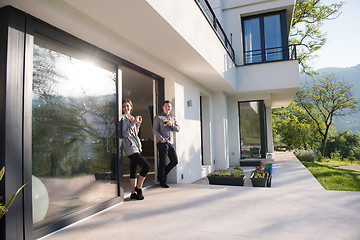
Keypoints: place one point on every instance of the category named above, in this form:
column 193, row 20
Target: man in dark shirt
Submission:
column 164, row 127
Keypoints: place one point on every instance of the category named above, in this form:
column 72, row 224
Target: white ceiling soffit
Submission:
column 141, row 25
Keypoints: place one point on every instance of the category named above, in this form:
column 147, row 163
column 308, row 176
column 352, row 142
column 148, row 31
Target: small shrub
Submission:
column 226, row 173
column 308, row 155
column 350, row 160
column 324, row 159
column 335, row 155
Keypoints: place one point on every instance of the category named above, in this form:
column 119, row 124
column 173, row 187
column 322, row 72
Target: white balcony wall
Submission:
column 280, row 79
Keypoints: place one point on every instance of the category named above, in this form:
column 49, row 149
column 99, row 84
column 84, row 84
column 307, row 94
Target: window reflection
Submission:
column 263, row 38
column 250, row 138
column 252, row 40
column 73, row 132
column 273, row 37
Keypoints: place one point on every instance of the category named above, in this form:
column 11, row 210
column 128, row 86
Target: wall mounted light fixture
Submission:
column 189, row 103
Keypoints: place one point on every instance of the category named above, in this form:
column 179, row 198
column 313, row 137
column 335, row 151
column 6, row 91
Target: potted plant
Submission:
column 5, row 206
column 227, row 177
column 259, row 177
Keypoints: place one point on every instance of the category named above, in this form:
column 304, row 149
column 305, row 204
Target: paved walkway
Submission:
column 295, row 207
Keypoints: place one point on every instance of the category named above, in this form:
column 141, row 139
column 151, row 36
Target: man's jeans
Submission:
column 166, row 149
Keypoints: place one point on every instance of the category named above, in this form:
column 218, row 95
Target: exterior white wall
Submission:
column 216, row 6
column 188, row 142
column 180, row 89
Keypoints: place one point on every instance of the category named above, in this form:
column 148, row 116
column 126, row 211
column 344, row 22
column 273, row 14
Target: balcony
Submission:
column 270, row 54
column 214, row 22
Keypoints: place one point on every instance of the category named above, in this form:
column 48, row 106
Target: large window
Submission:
column 253, row 142
column 265, row 38
column 74, row 112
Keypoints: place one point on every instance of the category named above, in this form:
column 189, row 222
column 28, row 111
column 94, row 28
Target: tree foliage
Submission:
column 309, row 16
column 345, row 143
column 324, row 100
column 293, row 128
column 70, row 134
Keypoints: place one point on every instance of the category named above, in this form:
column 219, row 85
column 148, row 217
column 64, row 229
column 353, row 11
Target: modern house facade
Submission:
column 66, row 65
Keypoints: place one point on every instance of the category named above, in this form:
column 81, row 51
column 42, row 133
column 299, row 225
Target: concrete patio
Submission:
column 295, row 207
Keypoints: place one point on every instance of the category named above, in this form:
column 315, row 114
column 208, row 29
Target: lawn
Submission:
column 332, row 178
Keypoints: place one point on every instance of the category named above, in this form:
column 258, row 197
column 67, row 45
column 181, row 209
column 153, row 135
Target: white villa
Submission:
column 67, row 64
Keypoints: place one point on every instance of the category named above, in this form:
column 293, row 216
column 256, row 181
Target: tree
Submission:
column 323, row 101
column 309, row 16
column 293, row 127
column 345, row 143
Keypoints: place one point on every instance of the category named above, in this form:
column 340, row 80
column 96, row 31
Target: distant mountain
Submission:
column 349, row 75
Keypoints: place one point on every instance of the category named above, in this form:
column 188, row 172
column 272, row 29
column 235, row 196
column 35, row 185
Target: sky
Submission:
column 342, row 48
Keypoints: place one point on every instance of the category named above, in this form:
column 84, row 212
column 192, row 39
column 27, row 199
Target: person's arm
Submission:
column 126, row 127
column 175, row 126
column 137, row 126
column 156, row 127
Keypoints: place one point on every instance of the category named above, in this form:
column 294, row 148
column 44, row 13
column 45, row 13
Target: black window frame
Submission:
column 284, row 36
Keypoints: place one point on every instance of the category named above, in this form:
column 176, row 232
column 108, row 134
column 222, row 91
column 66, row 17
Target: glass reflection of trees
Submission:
column 70, row 134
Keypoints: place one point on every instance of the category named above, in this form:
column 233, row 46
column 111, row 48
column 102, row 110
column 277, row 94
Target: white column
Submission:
column 220, row 130
column 269, row 130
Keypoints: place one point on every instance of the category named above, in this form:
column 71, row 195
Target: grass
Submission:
column 332, row 178
column 330, row 161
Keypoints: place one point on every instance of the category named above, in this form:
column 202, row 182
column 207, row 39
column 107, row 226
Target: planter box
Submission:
column 259, row 182
column 232, row 181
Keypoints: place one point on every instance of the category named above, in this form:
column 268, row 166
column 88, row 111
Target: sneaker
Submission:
column 133, row 196
column 139, row 194
column 164, row 185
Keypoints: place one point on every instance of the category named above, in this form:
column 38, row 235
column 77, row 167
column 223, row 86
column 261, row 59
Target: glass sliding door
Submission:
column 252, row 122
column 74, row 113
column 141, row 89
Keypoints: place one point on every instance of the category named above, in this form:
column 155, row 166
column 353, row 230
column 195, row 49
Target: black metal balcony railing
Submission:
column 214, row 22
column 271, row 54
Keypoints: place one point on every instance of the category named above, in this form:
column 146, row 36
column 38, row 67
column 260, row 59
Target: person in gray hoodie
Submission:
column 163, row 128
column 132, row 149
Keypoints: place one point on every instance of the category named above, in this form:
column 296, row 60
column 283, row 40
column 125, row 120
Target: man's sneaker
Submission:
column 164, row 185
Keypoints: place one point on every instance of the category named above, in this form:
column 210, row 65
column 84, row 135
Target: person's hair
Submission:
column 127, row 101
column 166, row 101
